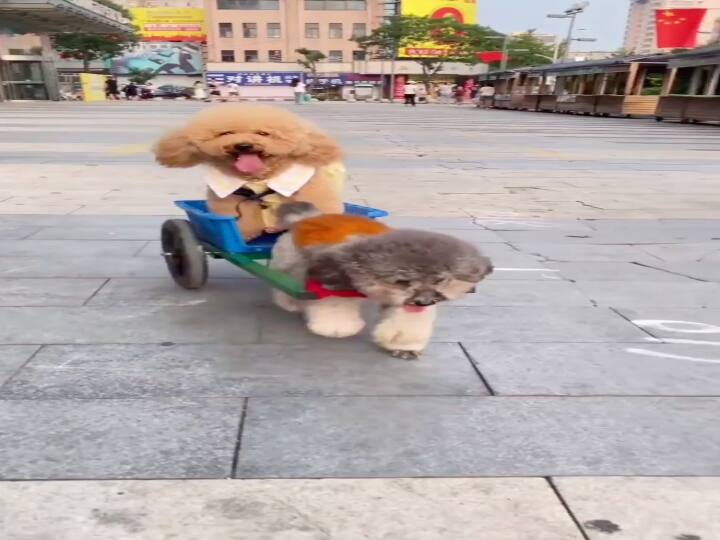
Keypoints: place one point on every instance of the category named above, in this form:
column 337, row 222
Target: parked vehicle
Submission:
column 171, row 91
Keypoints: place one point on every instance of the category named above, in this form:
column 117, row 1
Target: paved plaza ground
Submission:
column 575, row 396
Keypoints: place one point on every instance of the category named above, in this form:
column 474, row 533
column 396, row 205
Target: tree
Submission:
column 310, row 59
column 141, row 76
column 89, row 47
column 448, row 39
column 527, row 49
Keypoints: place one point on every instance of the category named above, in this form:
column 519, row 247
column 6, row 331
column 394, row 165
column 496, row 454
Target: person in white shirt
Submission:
column 299, row 91
column 486, row 95
column 410, row 92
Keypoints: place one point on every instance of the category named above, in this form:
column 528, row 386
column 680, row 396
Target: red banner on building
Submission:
column 678, row 28
column 490, row 56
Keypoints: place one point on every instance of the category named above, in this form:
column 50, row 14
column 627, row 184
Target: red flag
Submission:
column 490, row 56
column 678, row 28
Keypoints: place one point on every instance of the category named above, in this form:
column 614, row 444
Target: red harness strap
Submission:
column 321, row 292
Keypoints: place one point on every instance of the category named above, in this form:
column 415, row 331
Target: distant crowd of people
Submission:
column 130, row 91
column 446, row 93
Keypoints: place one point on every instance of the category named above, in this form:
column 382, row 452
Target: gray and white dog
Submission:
column 406, row 272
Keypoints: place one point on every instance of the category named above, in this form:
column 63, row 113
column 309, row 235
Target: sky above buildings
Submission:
column 603, row 19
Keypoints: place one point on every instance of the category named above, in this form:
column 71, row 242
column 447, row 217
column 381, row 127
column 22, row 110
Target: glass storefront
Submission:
column 23, row 80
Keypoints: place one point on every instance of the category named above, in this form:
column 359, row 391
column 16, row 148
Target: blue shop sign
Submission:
column 253, row 78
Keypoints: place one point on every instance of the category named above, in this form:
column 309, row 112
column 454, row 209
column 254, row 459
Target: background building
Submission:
column 253, row 42
column 640, row 35
column 27, row 68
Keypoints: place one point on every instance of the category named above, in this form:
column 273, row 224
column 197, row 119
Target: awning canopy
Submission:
column 53, row 16
column 702, row 56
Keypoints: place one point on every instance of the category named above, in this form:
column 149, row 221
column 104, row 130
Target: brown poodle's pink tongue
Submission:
column 249, row 164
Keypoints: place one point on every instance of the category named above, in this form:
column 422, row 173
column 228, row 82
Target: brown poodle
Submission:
column 258, row 158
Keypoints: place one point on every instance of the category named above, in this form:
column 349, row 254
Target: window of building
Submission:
column 312, row 30
column 273, row 5
column 227, row 56
column 275, row 55
column 335, row 30
column 335, row 5
column 252, row 56
column 359, row 30
column 335, row 56
column 249, row 30
column 273, row 30
column 226, row 30
column 359, row 55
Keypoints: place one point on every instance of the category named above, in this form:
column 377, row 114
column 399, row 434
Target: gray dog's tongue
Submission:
column 249, row 164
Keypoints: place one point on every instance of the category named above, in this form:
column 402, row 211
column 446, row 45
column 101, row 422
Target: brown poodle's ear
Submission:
column 176, row 150
column 321, row 148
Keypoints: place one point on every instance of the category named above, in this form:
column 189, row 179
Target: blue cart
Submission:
column 187, row 243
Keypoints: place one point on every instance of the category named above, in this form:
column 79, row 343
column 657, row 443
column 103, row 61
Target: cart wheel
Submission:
column 184, row 256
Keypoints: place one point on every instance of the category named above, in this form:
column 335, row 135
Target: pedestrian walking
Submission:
column 131, row 91
column 298, row 90
column 486, row 96
column 445, row 93
column 199, row 91
column 410, row 92
column 111, row 89
column 459, row 94
column 421, row 93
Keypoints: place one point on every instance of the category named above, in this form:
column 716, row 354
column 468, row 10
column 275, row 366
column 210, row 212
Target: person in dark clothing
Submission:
column 111, row 88
column 131, row 91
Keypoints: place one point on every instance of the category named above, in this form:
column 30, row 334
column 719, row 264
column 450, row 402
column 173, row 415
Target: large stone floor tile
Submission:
column 635, row 295
column 333, row 509
column 699, row 252
column 587, row 252
column 582, row 369
column 533, row 324
column 494, row 292
column 82, row 267
column 10, row 231
column 199, row 323
column 78, row 232
column 101, row 221
column 613, row 271
column 645, row 508
column 58, row 439
column 338, row 368
column 21, row 292
column 103, row 267
column 678, row 323
column 54, row 249
column 478, row 323
column 486, row 436
column 12, row 357
column 224, row 294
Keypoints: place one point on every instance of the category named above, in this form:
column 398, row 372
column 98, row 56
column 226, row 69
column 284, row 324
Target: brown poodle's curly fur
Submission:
column 280, row 137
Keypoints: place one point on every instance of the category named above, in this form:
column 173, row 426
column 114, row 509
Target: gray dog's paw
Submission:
column 406, row 355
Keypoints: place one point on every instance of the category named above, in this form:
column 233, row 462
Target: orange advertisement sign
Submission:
column 170, row 24
column 463, row 11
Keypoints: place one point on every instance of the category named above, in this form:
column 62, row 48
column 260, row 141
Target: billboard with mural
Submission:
column 169, row 58
column 463, row 11
column 170, row 24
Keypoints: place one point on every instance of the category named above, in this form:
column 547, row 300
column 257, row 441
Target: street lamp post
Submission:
column 570, row 13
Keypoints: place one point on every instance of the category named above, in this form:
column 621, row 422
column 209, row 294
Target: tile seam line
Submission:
column 318, row 397
column 476, row 369
column 425, row 477
column 20, row 368
column 238, row 442
column 566, row 507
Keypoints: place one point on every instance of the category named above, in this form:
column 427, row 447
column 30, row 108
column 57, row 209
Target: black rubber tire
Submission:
column 184, row 255
column 659, row 118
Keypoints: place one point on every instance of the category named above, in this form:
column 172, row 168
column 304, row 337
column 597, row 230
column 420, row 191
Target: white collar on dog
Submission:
column 285, row 183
